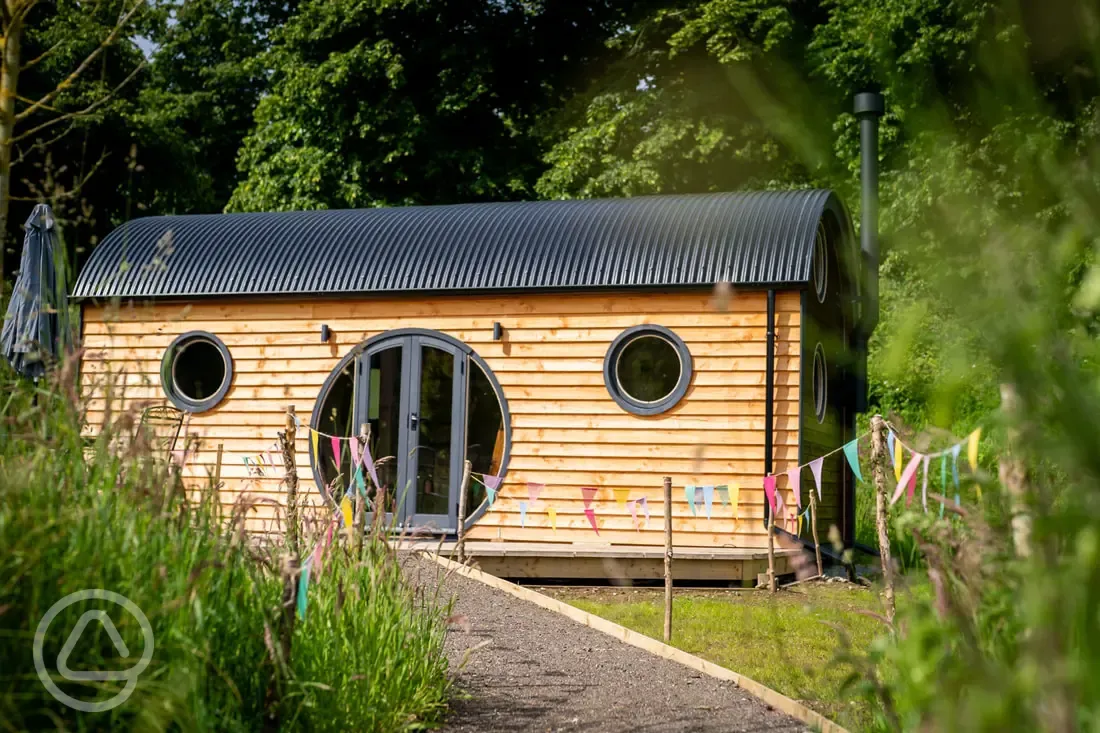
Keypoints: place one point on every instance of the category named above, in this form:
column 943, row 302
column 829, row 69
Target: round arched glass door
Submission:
column 426, row 413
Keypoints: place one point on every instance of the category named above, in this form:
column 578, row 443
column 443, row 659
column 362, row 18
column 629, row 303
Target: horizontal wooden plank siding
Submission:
column 567, row 432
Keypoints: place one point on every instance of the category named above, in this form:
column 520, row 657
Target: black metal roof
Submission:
column 760, row 238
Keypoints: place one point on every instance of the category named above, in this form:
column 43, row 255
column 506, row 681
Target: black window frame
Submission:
column 167, row 368
column 624, row 400
column 820, row 385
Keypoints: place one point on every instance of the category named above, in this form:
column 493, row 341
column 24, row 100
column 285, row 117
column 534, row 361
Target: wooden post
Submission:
column 1013, row 474
column 813, row 526
column 287, row 440
column 772, row 586
column 668, row 558
column 460, row 545
column 360, row 505
column 878, row 468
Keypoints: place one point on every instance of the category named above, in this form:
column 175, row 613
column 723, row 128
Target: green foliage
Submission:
column 383, row 103
column 78, row 514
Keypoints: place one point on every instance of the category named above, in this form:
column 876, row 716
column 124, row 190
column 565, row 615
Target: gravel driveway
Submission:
column 530, row 669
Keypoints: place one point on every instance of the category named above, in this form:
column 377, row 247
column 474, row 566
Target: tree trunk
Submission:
column 9, row 86
column 878, row 467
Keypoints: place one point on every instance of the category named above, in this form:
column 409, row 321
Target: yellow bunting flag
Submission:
column 345, row 509
column 897, row 460
column 553, row 518
column 735, row 495
column 621, row 496
column 972, row 449
column 314, row 437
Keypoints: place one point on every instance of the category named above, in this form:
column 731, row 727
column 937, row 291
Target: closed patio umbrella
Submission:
column 36, row 325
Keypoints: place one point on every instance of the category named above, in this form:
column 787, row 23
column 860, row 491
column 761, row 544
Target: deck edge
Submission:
column 777, row 700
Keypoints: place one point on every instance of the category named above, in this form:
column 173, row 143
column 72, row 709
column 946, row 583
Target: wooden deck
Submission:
column 548, row 560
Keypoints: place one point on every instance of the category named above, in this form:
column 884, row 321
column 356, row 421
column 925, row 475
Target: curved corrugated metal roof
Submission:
column 760, row 238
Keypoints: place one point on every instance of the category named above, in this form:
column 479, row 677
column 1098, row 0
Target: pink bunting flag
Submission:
column 815, row 469
column 589, row 494
column 779, row 506
column 591, row 514
column 634, row 513
column 492, row 483
column 769, row 490
column 368, row 461
column 270, row 458
column 354, row 452
column 906, row 475
column 912, row 487
column 794, row 481
column 336, row 450
column 645, row 509
column 533, row 491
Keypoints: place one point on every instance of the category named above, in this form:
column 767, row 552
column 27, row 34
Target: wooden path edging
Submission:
column 777, row 700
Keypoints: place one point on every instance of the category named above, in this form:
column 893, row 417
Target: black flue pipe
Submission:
column 869, row 107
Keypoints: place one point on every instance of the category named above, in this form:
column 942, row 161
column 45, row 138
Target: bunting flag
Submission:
column 645, row 509
column 320, row 559
column 955, row 449
column 533, row 491
column 492, row 483
column 368, row 461
column 735, row 496
column 723, row 494
column 769, row 490
column 634, row 514
column 897, row 458
column 957, row 502
column 345, row 509
column 303, row 588
column 591, row 514
column 314, row 437
column 336, row 452
column 270, row 458
column 355, row 459
column 903, row 480
column 708, row 498
column 589, row 494
column 621, row 496
column 924, row 485
column 890, row 447
column 360, row 481
column 851, row 452
column 553, row 518
column 689, row 495
column 972, row 449
column 794, row 480
column 779, row 505
column 815, row 468
column 523, row 514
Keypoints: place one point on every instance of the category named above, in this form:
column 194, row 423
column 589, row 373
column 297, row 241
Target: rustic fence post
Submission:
column 878, row 468
column 287, row 441
column 813, row 526
column 772, row 585
column 460, row 545
column 1013, row 473
column 668, row 558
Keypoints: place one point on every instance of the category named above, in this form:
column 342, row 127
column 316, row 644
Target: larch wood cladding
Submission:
column 567, row 432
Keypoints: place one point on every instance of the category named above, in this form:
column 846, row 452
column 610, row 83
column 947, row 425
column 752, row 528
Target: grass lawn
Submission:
column 783, row 641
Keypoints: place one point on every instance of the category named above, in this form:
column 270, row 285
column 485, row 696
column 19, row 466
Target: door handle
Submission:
column 412, row 421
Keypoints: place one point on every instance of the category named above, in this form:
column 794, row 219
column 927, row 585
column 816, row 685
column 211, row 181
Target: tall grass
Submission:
column 110, row 514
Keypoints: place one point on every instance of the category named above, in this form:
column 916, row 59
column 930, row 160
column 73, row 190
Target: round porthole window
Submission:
column 196, row 371
column 647, row 369
column 820, row 384
column 821, row 264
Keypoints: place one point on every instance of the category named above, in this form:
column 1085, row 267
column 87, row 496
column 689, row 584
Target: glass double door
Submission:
column 412, row 393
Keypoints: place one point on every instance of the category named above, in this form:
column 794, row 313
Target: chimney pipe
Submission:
column 869, row 107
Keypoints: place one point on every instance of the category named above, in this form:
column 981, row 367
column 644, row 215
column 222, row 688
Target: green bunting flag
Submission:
column 851, row 452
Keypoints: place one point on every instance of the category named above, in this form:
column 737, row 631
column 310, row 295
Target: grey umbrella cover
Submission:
column 34, row 331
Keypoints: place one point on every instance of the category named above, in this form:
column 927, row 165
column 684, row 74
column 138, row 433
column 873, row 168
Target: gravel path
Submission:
column 534, row 670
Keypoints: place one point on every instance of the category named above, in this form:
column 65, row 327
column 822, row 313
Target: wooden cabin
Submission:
column 576, row 351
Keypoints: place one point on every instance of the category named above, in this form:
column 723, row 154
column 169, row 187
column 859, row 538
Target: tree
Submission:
column 65, row 42
column 415, row 101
